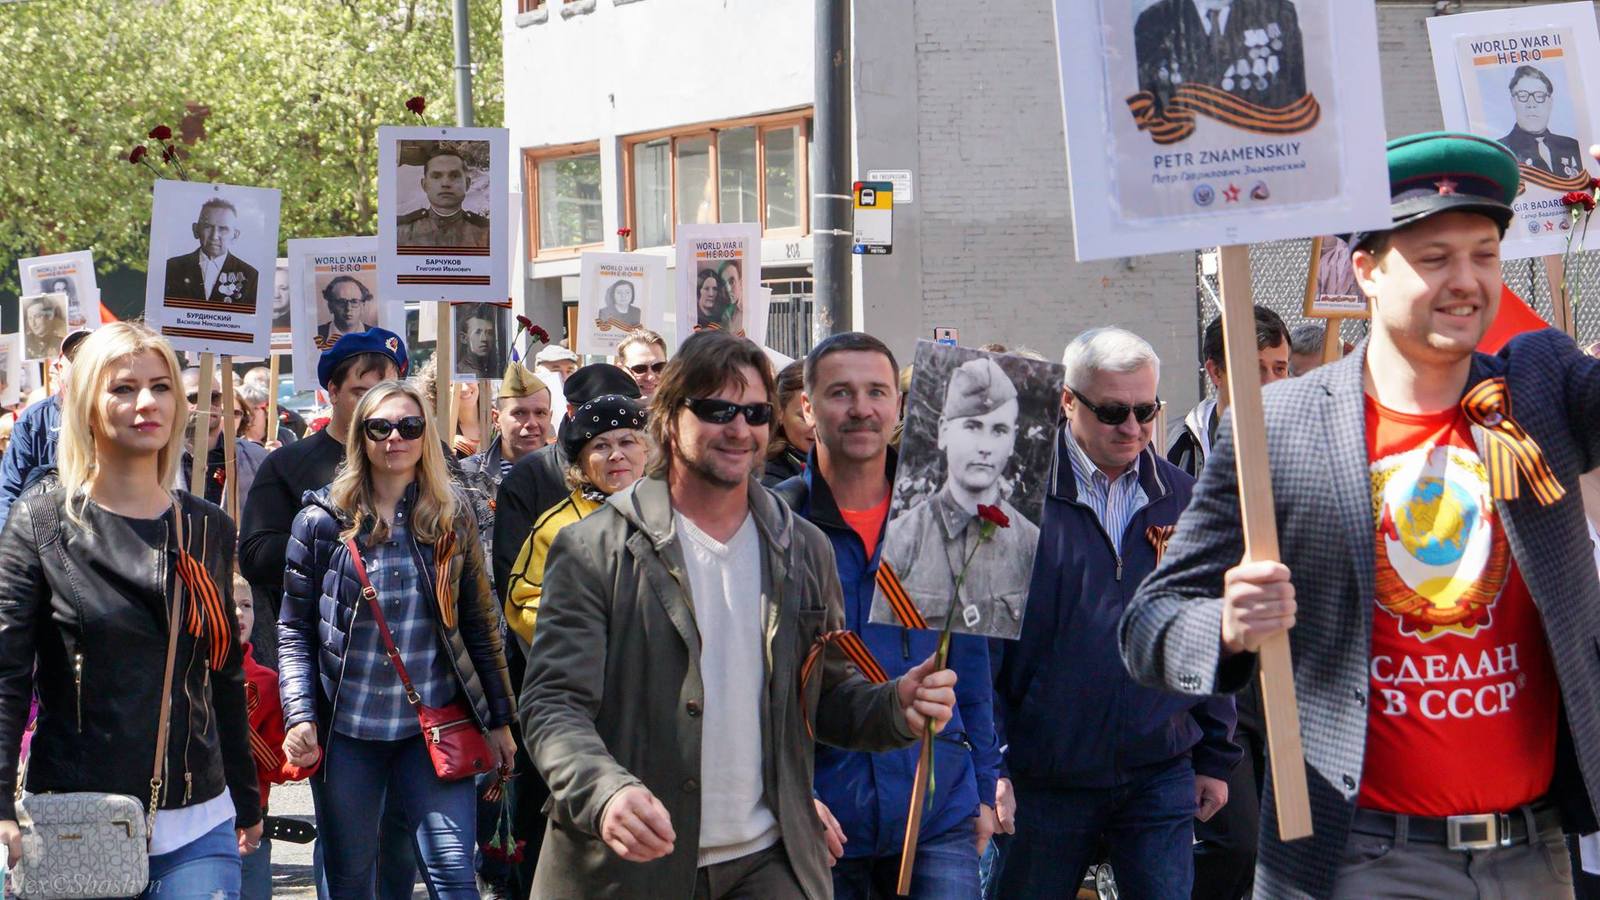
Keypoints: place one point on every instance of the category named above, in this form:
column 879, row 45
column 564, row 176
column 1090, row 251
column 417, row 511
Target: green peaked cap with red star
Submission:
column 1448, row 171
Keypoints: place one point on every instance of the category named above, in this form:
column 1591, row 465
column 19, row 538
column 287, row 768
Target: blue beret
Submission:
column 373, row 340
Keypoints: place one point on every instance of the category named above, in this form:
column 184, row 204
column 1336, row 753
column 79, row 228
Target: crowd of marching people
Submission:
column 622, row 648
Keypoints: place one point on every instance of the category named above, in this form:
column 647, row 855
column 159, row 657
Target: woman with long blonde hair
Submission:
column 416, row 540
column 89, row 576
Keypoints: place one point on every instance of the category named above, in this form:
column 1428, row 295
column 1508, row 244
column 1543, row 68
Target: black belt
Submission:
column 1474, row 832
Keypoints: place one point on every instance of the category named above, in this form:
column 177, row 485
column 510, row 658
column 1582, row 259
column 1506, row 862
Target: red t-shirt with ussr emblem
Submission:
column 1464, row 699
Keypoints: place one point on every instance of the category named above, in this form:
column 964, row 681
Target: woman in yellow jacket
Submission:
column 606, row 443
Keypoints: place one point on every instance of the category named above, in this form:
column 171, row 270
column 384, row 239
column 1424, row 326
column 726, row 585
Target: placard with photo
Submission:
column 980, row 430
column 483, row 339
column 282, row 308
column 213, row 256
column 1338, row 294
column 44, row 325
column 11, row 386
column 333, row 289
column 619, row 294
column 444, row 227
column 717, row 264
column 1194, row 125
column 65, row 273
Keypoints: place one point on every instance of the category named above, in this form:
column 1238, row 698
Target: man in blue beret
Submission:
column 929, row 543
column 1436, row 570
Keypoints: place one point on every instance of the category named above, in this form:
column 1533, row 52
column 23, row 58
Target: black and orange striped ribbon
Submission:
column 1488, row 406
column 854, row 649
column 1538, row 176
column 204, row 618
column 1158, row 536
column 1175, row 121
column 444, row 588
column 905, row 612
column 267, row 758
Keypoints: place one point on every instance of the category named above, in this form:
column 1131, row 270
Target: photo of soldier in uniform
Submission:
column 1250, row 49
column 443, row 191
column 481, row 339
column 44, row 325
column 1532, row 97
column 209, row 272
column 979, row 432
column 347, row 303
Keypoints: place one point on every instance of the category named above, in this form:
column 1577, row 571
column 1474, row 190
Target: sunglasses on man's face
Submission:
column 1117, row 413
column 641, row 368
column 721, row 412
column 410, row 428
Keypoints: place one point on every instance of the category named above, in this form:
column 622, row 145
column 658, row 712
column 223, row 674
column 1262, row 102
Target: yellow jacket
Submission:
column 527, row 576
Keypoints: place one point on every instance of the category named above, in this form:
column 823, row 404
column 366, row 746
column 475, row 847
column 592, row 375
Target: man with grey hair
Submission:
column 1120, row 765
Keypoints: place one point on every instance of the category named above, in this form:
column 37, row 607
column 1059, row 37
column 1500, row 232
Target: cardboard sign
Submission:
column 65, row 273
column 619, row 294
column 333, row 289
column 717, row 264
column 444, row 228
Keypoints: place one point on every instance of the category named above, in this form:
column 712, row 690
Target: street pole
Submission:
column 463, row 66
column 830, row 172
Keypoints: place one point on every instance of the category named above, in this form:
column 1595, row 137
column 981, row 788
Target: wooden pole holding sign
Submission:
column 443, row 386
column 230, row 429
column 1279, row 706
column 200, row 448
column 485, row 403
column 270, row 431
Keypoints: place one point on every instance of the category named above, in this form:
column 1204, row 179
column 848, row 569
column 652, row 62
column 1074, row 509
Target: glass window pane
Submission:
column 782, row 179
column 736, row 174
column 569, row 201
column 694, row 180
column 652, row 193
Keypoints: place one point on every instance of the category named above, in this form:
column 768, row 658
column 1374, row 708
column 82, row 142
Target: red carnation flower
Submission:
column 417, row 104
column 539, row 334
column 1578, row 198
column 168, row 155
column 525, row 323
column 624, row 231
column 1594, row 184
column 161, row 133
column 993, row 515
column 138, row 154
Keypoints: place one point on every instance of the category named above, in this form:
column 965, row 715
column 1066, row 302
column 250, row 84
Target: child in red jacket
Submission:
column 266, row 741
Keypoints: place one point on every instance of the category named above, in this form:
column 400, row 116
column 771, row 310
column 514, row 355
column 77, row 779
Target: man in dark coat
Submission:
column 1249, row 48
column 212, row 273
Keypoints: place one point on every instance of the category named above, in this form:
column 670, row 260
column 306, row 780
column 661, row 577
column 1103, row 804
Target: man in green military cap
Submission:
column 443, row 222
column 928, row 544
column 1437, row 581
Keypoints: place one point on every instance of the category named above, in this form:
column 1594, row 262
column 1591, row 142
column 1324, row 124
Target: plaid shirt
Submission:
column 372, row 701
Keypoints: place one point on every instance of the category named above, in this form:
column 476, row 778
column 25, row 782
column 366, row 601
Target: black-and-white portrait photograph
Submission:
column 980, row 431
column 1249, row 49
column 213, row 260
column 346, row 303
column 11, row 390
column 44, row 325
column 443, row 187
column 65, row 273
column 618, row 294
column 482, row 338
column 282, row 307
column 621, row 306
column 1533, row 100
column 444, row 221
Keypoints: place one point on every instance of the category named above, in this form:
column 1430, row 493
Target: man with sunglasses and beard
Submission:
column 929, row 543
column 1121, row 765
column 686, row 663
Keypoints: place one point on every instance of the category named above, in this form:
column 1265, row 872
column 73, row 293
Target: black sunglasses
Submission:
column 642, row 368
column 1117, row 413
column 721, row 412
column 410, row 428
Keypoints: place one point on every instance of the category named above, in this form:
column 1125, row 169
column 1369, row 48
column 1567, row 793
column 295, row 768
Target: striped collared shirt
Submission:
column 1113, row 502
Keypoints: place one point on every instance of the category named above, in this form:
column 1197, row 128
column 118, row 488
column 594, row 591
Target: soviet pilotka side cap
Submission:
column 373, row 340
column 1448, row 171
column 978, row 387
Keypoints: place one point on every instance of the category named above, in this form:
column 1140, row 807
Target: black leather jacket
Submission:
column 321, row 579
column 90, row 604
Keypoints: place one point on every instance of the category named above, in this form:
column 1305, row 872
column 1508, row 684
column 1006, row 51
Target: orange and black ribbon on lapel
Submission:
column 204, row 617
column 1175, row 121
column 1488, row 406
column 854, row 650
column 905, row 612
column 1158, row 536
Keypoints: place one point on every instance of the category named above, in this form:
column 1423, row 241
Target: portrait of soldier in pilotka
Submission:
column 976, row 450
column 443, row 189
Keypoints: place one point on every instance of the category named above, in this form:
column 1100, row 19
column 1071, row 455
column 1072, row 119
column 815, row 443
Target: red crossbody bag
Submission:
column 458, row 747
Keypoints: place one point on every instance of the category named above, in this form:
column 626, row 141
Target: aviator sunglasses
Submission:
column 1117, row 413
column 410, row 428
column 641, row 368
column 721, row 412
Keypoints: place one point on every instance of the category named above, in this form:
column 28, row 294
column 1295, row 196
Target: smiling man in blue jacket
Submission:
column 1092, row 757
column 852, row 395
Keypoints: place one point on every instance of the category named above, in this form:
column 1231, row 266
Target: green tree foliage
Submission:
column 278, row 93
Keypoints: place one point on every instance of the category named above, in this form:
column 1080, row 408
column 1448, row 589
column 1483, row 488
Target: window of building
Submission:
column 564, row 212
column 746, row 170
column 528, row 6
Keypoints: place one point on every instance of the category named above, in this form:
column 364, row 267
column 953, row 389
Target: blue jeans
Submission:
column 1146, row 824
column 397, row 857
column 255, row 877
column 946, row 869
column 206, row 868
column 350, row 793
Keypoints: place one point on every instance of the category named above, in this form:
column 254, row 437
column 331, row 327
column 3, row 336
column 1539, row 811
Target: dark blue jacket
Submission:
column 1065, row 706
column 869, row 792
column 32, row 451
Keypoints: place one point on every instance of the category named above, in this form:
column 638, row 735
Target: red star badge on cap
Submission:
column 1231, row 194
column 1446, row 186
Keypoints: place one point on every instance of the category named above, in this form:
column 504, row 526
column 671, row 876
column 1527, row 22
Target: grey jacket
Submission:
column 1171, row 633
column 613, row 691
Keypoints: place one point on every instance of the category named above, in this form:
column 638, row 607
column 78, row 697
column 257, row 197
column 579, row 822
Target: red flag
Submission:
column 1515, row 317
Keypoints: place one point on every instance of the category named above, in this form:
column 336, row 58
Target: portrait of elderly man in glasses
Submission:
column 1532, row 98
column 928, row 544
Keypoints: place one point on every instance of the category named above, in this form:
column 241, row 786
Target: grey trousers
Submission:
column 763, row 875
column 1382, row 866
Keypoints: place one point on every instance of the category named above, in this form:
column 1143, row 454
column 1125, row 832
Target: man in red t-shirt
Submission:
column 1436, row 559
